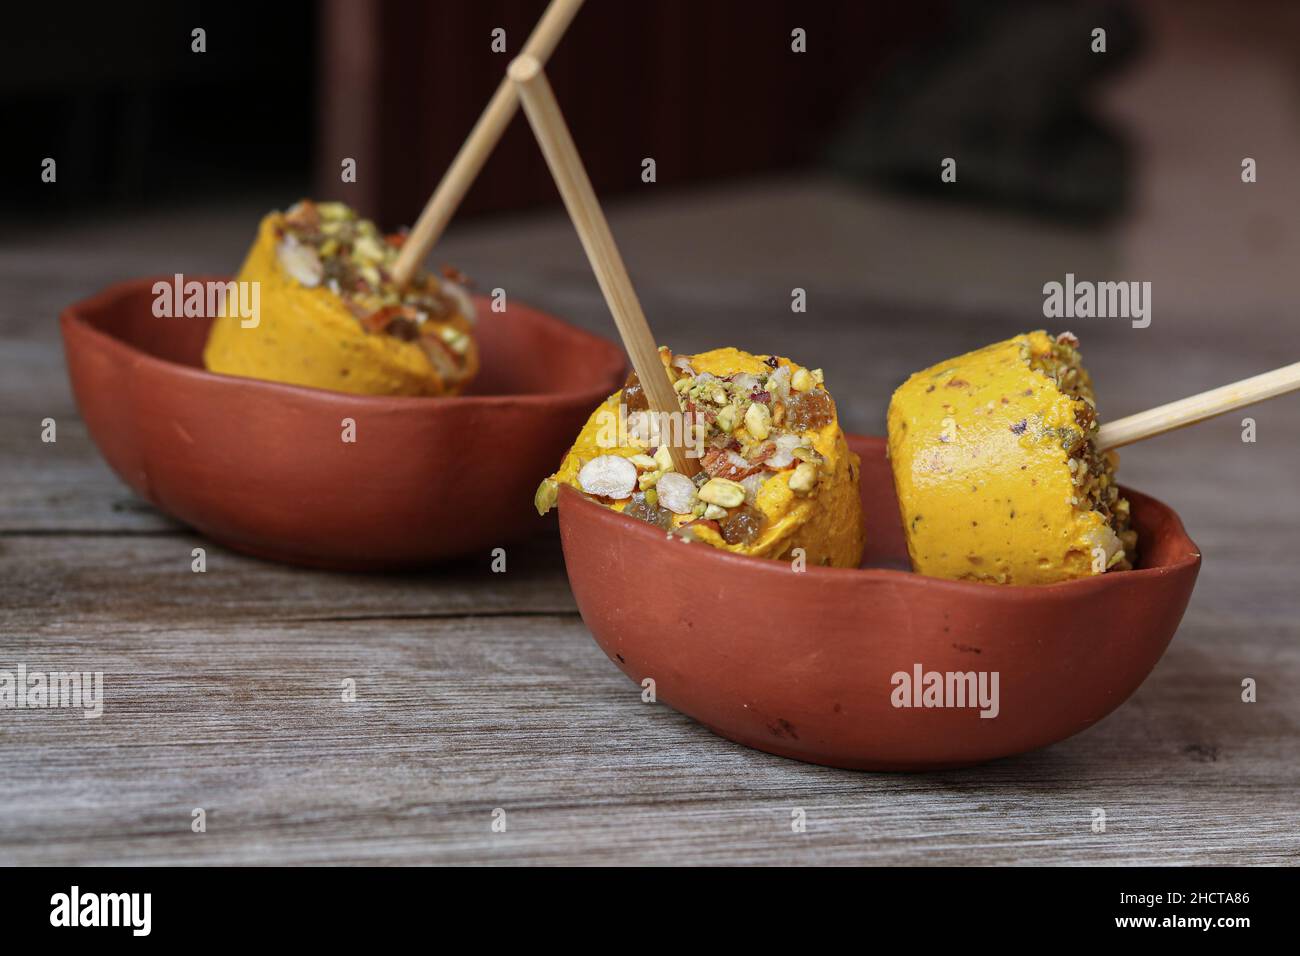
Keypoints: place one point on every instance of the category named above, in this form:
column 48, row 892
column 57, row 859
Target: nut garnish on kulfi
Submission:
column 776, row 473
column 996, row 470
column 332, row 317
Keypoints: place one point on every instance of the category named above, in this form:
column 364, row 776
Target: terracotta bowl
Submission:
column 261, row 467
column 802, row 664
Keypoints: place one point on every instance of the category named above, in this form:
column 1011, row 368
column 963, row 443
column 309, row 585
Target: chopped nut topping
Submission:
column 609, row 476
column 547, row 493
column 804, row 478
column 721, row 491
column 676, row 493
column 329, row 244
column 753, row 425
column 758, row 421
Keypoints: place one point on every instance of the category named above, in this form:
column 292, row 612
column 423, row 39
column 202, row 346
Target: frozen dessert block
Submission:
column 997, row 472
column 776, row 473
column 332, row 318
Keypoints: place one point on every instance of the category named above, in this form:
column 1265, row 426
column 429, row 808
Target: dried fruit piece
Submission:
column 609, row 476
column 404, row 328
column 809, row 411
column 742, row 526
column 395, row 320
column 634, row 395
column 641, row 508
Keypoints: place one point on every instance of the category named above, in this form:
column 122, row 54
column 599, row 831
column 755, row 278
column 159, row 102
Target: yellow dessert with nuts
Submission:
column 997, row 472
column 776, row 473
column 332, row 318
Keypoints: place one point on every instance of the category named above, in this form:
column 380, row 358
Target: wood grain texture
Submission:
column 457, row 717
column 479, row 690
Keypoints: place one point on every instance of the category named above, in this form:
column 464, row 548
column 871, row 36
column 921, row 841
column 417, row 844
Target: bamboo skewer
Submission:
column 1189, row 411
column 584, row 209
column 492, row 123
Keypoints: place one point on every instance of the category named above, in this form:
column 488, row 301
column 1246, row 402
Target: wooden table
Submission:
column 479, row 691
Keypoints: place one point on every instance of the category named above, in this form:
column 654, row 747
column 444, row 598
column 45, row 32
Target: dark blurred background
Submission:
column 711, row 89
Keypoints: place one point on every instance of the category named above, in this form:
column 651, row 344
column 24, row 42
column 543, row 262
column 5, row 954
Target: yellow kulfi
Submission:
column 776, row 475
column 997, row 473
column 332, row 318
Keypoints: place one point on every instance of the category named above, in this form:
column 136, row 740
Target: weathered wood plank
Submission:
column 147, row 580
column 457, row 717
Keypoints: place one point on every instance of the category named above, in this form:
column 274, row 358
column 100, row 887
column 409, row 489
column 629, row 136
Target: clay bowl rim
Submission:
column 612, row 522
column 73, row 315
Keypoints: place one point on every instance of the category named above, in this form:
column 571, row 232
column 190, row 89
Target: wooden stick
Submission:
column 1189, row 411
column 464, row 169
column 584, row 209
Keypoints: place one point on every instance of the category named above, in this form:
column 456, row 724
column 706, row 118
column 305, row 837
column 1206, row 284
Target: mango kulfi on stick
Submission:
column 332, row 317
column 776, row 471
column 997, row 471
